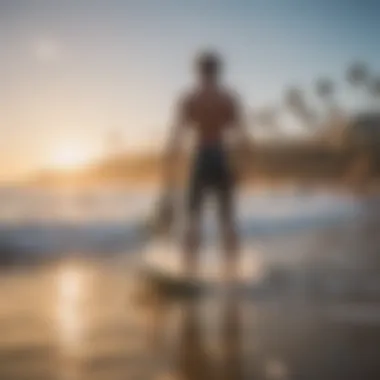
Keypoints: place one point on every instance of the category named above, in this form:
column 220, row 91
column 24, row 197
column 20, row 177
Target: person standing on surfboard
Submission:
column 213, row 112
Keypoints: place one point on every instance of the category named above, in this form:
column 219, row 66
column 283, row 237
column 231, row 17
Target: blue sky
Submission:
column 72, row 70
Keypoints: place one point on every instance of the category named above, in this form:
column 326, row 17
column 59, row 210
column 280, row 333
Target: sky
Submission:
column 74, row 72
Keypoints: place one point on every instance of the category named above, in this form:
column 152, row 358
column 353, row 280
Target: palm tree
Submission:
column 324, row 88
column 373, row 92
column 294, row 99
column 375, row 88
column 295, row 102
column 358, row 76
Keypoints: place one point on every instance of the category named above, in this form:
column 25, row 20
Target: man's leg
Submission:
column 230, row 238
column 193, row 225
column 191, row 245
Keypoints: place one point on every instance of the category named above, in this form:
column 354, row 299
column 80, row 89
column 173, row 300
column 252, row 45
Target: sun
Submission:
column 70, row 156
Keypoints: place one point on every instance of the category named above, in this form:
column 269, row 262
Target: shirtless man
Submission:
column 212, row 111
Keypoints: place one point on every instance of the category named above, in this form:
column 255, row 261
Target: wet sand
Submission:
column 79, row 319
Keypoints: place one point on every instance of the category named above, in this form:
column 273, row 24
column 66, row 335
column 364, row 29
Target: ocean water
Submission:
column 46, row 222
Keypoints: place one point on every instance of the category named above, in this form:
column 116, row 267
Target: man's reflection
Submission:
column 193, row 359
column 231, row 340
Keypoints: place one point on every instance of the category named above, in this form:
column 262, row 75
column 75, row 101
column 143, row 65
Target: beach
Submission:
column 71, row 312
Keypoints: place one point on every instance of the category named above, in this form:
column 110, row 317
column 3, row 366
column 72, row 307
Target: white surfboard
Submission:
column 161, row 265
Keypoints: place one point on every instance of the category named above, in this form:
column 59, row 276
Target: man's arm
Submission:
column 242, row 140
column 165, row 213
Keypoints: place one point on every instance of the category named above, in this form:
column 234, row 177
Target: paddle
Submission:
column 162, row 217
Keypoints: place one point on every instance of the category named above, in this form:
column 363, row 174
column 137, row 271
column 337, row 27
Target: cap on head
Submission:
column 209, row 63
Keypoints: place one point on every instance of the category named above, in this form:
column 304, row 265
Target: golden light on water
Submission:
column 70, row 281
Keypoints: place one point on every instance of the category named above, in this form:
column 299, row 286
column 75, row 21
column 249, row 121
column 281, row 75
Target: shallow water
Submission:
column 314, row 315
column 79, row 319
column 46, row 222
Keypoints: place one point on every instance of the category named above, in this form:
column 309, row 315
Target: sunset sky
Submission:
column 73, row 70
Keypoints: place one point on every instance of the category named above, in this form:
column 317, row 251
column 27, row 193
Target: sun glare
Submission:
column 70, row 156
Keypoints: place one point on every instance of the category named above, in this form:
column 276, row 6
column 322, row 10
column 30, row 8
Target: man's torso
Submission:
column 210, row 111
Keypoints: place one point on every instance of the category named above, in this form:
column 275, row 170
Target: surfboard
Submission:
column 161, row 270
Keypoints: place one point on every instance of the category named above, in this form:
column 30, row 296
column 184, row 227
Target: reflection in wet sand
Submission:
column 78, row 320
column 193, row 356
column 70, row 287
column 231, row 340
column 194, row 361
